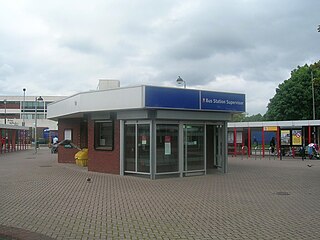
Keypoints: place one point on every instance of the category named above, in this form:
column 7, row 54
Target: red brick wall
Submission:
column 66, row 155
column 104, row 161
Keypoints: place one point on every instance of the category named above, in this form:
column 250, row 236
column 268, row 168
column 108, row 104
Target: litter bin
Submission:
column 81, row 157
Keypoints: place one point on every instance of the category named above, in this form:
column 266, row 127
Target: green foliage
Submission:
column 241, row 117
column 255, row 118
column 238, row 117
column 293, row 98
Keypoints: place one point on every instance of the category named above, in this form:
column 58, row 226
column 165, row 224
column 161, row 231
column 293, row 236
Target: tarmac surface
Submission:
column 256, row 199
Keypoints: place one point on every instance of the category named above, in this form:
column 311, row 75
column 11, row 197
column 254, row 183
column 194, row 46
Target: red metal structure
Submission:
column 13, row 138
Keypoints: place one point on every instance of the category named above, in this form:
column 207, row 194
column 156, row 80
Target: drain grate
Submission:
column 282, row 193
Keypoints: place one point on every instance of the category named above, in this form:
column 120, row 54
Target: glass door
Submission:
column 167, row 148
column 193, row 147
column 130, row 147
column 143, row 148
column 137, row 148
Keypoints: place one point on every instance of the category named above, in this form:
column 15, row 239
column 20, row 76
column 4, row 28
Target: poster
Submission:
column 167, row 145
column 285, row 137
column 297, row 137
column 144, row 140
column 68, row 134
column 231, row 137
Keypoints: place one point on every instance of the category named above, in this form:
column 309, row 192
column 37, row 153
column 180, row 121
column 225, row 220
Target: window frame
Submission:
column 97, row 135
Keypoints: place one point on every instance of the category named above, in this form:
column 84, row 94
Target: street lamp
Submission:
column 5, row 111
column 181, row 81
column 313, row 108
column 23, row 107
column 313, row 105
column 35, row 124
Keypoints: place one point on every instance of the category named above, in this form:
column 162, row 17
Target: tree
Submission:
column 254, row 118
column 238, row 117
column 293, row 98
column 241, row 117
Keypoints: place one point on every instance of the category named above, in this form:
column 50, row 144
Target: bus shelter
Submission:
column 13, row 138
column 255, row 138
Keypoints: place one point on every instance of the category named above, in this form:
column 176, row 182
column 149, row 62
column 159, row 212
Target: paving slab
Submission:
column 256, row 199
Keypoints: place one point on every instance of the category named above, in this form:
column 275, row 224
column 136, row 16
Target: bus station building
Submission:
column 149, row 131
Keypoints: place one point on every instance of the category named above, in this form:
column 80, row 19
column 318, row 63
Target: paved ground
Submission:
column 257, row 199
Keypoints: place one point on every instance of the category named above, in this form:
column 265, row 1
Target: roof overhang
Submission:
column 146, row 97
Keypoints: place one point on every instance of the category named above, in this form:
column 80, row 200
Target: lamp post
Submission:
column 35, row 124
column 23, row 107
column 181, row 81
column 5, row 111
column 313, row 108
column 313, row 105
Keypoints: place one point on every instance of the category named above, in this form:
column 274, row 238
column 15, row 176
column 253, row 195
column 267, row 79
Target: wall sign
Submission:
column 190, row 99
column 270, row 129
column 222, row 101
column 171, row 98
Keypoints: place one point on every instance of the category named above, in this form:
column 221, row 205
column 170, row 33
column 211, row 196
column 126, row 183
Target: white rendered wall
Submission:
column 106, row 100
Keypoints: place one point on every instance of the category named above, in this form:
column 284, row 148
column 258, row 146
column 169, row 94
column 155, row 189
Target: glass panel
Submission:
column 193, row 147
column 167, row 148
column 103, row 138
column 218, row 147
column 40, row 104
column 129, row 147
column 210, row 146
column 143, row 139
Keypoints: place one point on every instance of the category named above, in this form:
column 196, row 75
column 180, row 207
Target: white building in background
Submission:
column 20, row 110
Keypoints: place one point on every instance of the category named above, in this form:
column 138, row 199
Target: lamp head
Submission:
column 180, row 80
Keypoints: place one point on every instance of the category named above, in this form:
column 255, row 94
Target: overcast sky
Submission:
column 63, row 47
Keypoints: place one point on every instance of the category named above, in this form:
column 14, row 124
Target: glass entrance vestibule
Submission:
column 156, row 148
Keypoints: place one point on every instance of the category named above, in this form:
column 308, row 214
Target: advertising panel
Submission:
column 285, row 137
column 231, row 137
column 297, row 137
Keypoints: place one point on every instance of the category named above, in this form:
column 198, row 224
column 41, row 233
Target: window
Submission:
column 68, row 134
column 167, row 148
column 103, row 135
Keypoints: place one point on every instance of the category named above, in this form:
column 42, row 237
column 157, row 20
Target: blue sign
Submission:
column 220, row 101
column 189, row 99
column 172, row 98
